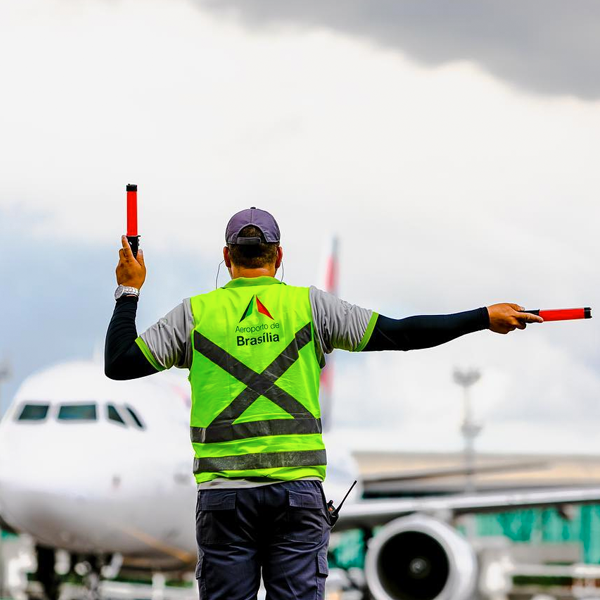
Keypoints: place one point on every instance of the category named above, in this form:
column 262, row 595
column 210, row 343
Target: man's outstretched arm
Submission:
column 413, row 333
column 424, row 331
column 340, row 324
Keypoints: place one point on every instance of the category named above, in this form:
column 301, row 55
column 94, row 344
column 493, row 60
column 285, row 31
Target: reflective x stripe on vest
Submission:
column 222, row 429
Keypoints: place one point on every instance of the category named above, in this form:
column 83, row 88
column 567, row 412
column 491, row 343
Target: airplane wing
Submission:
column 367, row 514
column 391, row 482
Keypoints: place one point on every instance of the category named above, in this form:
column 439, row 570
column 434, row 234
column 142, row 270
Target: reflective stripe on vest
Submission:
column 264, row 460
column 222, row 429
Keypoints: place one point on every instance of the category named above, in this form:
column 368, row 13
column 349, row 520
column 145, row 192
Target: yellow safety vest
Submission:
column 255, row 383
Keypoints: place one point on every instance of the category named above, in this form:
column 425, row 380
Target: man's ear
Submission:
column 279, row 257
column 226, row 257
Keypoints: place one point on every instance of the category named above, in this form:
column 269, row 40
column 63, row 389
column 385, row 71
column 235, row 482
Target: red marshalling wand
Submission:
column 132, row 225
column 562, row 314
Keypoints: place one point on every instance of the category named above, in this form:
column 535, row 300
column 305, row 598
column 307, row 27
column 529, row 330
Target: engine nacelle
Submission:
column 420, row 558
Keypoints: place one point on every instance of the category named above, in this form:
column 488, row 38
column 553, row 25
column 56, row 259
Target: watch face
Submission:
column 119, row 292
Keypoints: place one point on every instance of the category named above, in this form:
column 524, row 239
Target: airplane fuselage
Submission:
column 95, row 466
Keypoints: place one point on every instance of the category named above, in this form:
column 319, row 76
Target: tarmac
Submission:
column 17, row 559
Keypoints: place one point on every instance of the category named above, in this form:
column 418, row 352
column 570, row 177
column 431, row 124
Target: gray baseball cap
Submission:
column 252, row 216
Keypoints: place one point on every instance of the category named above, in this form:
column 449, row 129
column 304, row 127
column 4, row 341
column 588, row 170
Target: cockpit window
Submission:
column 135, row 417
column 77, row 412
column 33, row 412
column 113, row 414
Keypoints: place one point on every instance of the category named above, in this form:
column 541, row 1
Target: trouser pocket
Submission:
column 305, row 517
column 322, row 572
column 200, row 577
column 216, row 518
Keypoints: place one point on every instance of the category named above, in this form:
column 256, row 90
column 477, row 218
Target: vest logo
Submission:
column 264, row 333
column 255, row 305
column 254, row 341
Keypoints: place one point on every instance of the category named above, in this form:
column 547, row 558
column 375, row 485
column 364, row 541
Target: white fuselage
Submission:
column 101, row 483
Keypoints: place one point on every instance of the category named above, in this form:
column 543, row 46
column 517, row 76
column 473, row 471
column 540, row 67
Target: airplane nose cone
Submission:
column 61, row 502
column 2, row 508
column 20, row 506
column 5, row 487
column 37, row 497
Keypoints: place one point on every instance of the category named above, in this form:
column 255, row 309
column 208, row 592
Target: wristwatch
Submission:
column 126, row 290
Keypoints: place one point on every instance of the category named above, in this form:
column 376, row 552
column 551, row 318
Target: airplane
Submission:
column 103, row 470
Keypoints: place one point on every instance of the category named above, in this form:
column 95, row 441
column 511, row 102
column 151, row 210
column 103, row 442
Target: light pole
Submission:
column 470, row 428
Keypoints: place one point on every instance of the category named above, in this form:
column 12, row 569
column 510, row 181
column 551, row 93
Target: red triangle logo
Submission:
column 263, row 309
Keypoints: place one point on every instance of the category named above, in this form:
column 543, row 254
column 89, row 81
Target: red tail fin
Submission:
column 330, row 284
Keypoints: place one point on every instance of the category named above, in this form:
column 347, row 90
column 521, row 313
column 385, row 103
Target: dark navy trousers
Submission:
column 280, row 531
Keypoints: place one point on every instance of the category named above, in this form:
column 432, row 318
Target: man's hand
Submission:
column 130, row 272
column 508, row 317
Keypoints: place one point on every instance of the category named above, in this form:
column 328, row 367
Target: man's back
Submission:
column 255, row 383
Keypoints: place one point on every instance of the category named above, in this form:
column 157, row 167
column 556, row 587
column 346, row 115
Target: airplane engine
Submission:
column 420, row 558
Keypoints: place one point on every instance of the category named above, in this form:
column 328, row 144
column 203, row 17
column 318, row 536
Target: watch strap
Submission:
column 126, row 290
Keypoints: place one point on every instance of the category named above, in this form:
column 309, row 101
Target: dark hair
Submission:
column 253, row 256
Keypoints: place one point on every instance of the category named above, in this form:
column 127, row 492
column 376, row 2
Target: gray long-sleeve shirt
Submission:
column 338, row 324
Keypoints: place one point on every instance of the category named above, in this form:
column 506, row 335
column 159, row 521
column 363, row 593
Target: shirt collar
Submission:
column 252, row 281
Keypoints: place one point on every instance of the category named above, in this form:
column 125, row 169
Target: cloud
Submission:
column 449, row 190
column 546, row 46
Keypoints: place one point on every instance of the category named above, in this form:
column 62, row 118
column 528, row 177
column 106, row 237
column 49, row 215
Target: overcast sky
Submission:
column 546, row 46
column 454, row 152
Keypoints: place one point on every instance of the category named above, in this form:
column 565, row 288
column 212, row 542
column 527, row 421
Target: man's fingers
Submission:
column 507, row 317
column 140, row 257
column 525, row 317
column 530, row 318
column 127, row 253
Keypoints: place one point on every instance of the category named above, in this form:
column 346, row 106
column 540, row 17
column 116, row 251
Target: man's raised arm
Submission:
column 123, row 359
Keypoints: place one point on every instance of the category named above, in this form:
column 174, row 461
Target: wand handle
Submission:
column 562, row 314
column 134, row 242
